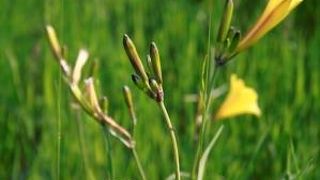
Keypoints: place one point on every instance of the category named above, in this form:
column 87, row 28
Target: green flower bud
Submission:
column 137, row 81
column 156, row 64
column 128, row 98
column 225, row 21
column 134, row 57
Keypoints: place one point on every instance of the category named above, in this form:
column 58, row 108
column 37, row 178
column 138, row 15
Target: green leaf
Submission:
column 205, row 155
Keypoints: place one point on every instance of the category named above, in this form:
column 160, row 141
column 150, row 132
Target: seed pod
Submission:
column 156, row 63
column 134, row 58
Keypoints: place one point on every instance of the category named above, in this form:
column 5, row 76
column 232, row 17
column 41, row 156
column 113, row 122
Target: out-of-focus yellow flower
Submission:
column 240, row 100
column 273, row 14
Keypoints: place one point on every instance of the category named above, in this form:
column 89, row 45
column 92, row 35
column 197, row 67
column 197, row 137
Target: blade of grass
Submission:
column 204, row 157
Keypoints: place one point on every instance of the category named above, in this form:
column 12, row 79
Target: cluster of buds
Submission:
column 149, row 82
column 228, row 37
column 229, row 41
column 86, row 98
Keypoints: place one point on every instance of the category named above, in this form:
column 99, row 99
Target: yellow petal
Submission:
column 92, row 95
column 274, row 13
column 272, row 4
column 240, row 100
column 80, row 62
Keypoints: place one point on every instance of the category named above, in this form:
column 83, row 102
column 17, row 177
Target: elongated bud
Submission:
column 235, row 39
column 57, row 50
column 80, row 62
column 154, row 85
column 137, row 81
column 157, row 90
column 54, row 42
column 156, row 64
column 104, row 104
column 134, row 57
column 128, row 98
column 150, row 68
column 93, row 100
column 225, row 21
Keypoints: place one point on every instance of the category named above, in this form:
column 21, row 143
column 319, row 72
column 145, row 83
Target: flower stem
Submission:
column 173, row 138
column 108, row 152
column 83, row 149
column 137, row 159
column 58, row 130
column 208, row 100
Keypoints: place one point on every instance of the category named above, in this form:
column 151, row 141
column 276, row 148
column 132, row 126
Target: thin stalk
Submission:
column 58, row 129
column 136, row 156
column 173, row 138
column 138, row 162
column 59, row 109
column 83, row 149
column 204, row 123
column 108, row 152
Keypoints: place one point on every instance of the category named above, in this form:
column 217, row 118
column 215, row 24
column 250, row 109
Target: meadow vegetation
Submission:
column 35, row 102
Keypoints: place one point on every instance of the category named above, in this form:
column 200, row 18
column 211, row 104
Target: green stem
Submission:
column 83, row 149
column 137, row 159
column 173, row 138
column 58, row 130
column 108, row 152
column 208, row 101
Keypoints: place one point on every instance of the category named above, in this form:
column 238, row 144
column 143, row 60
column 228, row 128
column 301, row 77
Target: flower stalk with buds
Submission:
column 88, row 99
column 129, row 102
column 151, row 84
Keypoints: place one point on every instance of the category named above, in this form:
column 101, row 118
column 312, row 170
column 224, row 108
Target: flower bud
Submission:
column 80, row 62
column 93, row 100
column 128, row 98
column 156, row 64
column 150, row 68
column 104, row 104
column 225, row 21
column 235, row 39
column 134, row 57
column 54, row 42
column 157, row 90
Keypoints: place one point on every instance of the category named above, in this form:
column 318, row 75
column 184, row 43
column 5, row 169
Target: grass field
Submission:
column 36, row 106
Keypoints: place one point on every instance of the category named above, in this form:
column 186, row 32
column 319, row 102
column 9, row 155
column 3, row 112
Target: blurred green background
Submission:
column 283, row 67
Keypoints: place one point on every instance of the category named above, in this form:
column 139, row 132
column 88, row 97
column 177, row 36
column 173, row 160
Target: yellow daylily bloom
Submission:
column 240, row 100
column 274, row 13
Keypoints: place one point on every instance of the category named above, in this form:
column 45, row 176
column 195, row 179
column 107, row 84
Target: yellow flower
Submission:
column 240, row 100
column 273, row 14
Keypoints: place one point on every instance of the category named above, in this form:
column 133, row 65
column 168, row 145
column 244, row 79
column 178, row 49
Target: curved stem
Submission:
column 173, row 138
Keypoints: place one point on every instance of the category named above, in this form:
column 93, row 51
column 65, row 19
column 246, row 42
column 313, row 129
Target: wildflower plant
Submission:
column 148, row 78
